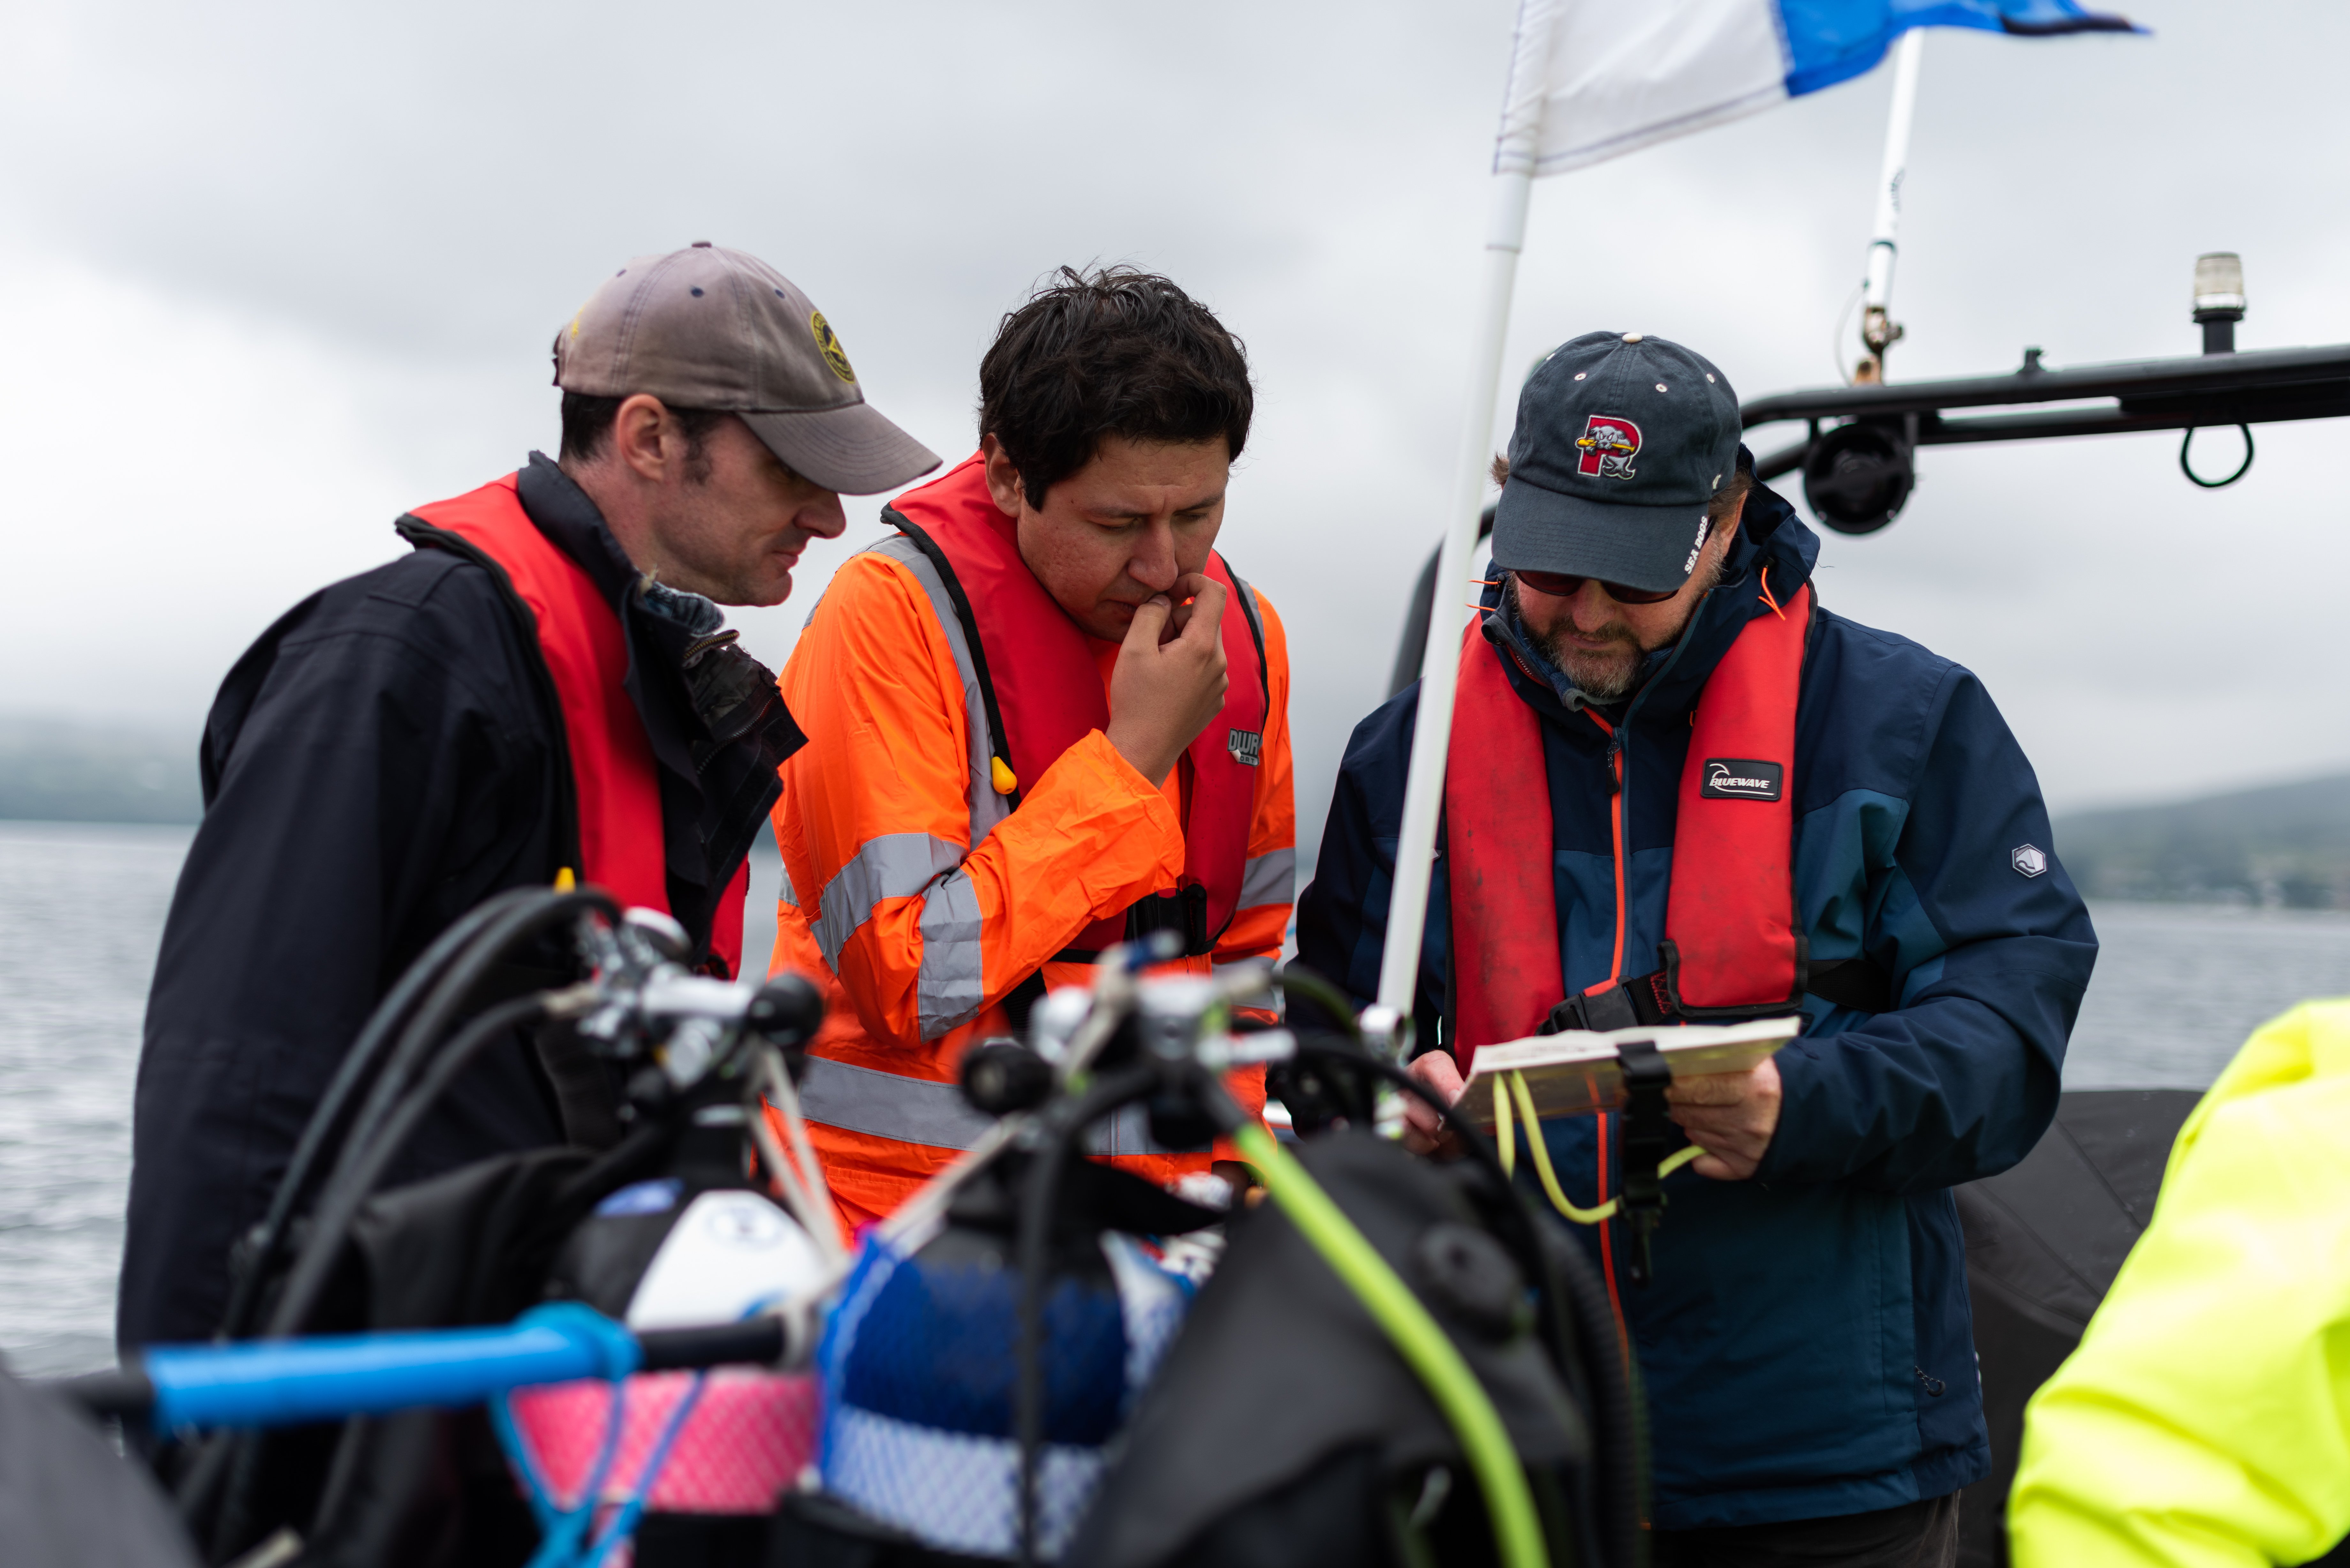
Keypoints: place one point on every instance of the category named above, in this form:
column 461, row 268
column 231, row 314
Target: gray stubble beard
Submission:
column 1608, row 678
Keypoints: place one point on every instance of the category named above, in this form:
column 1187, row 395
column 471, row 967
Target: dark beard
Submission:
column 1604, row 676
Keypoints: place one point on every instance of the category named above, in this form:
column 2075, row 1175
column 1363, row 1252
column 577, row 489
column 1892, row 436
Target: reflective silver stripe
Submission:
column 883, row 1104
column 1124, row 1131
column 948, row 990
column 1262, row 997
column 785, row 891
column 987, row 807
column 1270, row 879
column 894, row 865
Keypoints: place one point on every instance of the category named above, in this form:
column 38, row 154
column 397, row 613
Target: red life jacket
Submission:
column 614, row 783
column 1732, row 945
column 1044, row 692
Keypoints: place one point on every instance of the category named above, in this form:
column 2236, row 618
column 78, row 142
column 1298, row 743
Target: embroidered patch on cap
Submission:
column 828, row 343
column 1740, row 778
column 1608, row 444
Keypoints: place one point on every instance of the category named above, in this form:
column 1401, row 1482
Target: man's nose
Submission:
column 824, row 517
column 1590, row 606
column 1153, row 561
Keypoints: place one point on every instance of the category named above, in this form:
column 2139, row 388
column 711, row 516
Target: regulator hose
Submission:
column 234, row 1456
column 531, row 918
column 358, row 1066
column 362, row 1165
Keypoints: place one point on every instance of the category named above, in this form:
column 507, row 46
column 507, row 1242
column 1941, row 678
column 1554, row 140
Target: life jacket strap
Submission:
column 1649, row 999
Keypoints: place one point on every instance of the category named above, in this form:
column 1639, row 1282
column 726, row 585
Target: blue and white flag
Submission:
column 1590, row 79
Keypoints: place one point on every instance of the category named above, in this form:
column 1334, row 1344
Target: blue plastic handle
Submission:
column 277, row 1383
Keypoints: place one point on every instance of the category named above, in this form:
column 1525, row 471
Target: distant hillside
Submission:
column 2285, row 844
column 57, row 771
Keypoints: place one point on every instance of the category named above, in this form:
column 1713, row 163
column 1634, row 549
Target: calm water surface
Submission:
column 81, row 906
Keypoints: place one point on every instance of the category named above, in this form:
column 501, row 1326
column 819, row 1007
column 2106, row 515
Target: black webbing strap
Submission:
column 1184, row 911
column 1647, row 1140
column 1853, row 982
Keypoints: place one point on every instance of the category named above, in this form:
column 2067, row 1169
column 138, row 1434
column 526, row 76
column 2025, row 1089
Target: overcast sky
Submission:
column 269, row 275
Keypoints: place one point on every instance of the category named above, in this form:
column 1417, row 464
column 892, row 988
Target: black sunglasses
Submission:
column 1559, row 585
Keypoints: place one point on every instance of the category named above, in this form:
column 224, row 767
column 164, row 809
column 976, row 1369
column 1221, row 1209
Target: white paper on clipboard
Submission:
column 1577, row 1072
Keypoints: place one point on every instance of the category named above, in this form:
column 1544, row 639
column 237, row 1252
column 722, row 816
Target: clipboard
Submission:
column 1577, row 1072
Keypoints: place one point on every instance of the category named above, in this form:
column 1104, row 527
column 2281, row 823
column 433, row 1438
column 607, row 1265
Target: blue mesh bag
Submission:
column 919, row 1367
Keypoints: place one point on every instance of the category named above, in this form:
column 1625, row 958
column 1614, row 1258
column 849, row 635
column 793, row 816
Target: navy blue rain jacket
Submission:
column 1806, row 1343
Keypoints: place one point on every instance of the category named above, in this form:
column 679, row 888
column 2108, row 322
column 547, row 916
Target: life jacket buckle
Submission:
column 1183, row 911
column 1628, row 1005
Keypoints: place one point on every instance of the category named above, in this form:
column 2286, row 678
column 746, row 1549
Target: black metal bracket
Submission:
column 2262, row 387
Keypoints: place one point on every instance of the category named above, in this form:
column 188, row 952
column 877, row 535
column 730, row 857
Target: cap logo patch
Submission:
column 828, row 343
column 1608, row 444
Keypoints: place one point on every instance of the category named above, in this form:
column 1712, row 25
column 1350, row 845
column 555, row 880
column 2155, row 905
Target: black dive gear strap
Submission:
column 1647, row 1140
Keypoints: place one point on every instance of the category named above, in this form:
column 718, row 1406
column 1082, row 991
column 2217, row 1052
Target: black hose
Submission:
column 356, row 1069
column 364, row 1164
column 1326, row 997
column 239, row 1454
column 1619, row 1412
column 541, row 912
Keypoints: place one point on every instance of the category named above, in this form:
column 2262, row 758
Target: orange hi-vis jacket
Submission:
column 927, row 877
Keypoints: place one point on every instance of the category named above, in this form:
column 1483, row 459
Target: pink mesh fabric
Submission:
column 746, row 1441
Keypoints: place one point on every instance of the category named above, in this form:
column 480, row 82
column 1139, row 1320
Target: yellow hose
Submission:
column 1424, row 1346
column 1502, row 1127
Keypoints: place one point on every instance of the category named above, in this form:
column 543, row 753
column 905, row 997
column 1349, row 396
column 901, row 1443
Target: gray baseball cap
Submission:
column 711, row 329
column 1621, row 441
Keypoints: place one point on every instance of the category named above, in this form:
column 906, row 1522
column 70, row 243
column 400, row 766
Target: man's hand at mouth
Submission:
column 1170, row 679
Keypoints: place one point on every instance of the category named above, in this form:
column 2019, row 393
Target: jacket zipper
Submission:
column 1619, row 739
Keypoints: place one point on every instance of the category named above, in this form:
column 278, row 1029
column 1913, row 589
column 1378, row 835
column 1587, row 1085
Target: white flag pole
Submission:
column 1877, row 328
column 1440, row 669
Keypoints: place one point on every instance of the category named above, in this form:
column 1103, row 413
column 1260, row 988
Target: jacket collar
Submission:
column 564, row 513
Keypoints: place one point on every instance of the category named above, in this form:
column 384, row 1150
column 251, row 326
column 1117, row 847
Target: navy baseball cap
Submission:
column 1622, row 440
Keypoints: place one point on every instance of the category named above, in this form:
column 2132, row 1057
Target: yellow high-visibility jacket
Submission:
column 2205, row 1419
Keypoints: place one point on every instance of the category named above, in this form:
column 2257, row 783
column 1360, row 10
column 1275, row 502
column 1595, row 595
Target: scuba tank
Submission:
column 920, row 1454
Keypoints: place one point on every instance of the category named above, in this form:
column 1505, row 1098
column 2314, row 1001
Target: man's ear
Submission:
column 1728, row 531
column 640, row 429
column 1002, row 478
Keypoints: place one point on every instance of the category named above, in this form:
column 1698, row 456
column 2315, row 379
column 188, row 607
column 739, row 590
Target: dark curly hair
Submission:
column 1114, row 352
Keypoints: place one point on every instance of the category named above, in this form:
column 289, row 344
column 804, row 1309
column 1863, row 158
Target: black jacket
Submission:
column 385, row 757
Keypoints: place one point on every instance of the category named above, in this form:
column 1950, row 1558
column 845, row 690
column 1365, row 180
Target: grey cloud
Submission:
column 421, row 194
